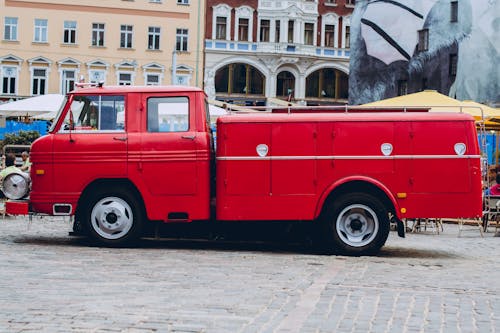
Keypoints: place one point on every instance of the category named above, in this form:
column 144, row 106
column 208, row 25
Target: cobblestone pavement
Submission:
column 50, row 282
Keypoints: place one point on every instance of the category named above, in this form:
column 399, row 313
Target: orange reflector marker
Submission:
column 403, row 210
column 401, row 195
column 40, row 172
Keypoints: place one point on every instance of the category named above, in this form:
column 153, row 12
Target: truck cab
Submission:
column 118, row 153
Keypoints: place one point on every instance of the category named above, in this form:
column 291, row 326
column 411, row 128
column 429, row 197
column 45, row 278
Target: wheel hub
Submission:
column 111, row 218
column 356, row 224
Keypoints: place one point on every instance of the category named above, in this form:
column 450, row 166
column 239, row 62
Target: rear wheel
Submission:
column 356, row 224
column 114, row 217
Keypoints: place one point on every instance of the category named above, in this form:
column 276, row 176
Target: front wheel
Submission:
column 114, row 218
column 356, row 224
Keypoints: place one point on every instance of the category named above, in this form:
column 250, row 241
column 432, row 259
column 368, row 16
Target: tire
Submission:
column 356, row 224
column 113, row 217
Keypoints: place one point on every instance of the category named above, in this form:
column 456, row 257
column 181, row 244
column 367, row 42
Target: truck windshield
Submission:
column 54, row 121
column 96, row 112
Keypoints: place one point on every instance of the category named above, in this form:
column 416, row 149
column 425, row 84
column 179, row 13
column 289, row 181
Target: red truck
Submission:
column 118, row 158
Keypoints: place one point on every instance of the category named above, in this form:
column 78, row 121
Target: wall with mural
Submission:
column 405, row 46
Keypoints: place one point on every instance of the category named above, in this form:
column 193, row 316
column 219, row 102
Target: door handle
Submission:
column 189, row 137
column 119, row 138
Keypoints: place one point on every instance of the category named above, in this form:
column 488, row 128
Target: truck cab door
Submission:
column 168, row 146
column 91, row 143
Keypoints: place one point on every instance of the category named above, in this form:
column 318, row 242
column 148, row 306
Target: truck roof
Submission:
column 133, row 89
column 357, row 116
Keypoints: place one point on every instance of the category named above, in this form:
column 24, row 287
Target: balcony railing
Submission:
column 276, row 48
column 307, row 7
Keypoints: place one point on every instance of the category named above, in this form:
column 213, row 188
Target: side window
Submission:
column 168, row 114
column 96, row 113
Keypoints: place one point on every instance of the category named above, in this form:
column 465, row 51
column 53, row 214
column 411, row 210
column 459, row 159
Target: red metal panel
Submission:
column 294, row 165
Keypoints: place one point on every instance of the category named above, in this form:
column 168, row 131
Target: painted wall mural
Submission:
column 406, row 46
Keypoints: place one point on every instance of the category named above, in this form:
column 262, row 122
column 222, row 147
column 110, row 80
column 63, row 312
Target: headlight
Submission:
column 16, row 185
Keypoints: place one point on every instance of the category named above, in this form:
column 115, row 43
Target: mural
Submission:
column 406, row 46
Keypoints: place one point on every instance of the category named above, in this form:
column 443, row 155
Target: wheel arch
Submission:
column 358, row 184
column 98, row 184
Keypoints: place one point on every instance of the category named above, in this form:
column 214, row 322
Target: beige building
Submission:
column 48, row 45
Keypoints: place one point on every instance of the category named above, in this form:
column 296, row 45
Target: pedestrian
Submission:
column 26, row 162
column 10, row 167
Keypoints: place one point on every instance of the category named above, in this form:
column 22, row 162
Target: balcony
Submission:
column 276, row 48
column 306, row 7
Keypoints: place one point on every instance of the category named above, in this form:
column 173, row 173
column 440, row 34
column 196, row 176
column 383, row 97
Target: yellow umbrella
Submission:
column 437, row 102
column 489, row 113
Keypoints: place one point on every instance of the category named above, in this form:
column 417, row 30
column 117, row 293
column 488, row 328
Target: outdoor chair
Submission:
column 491, row 212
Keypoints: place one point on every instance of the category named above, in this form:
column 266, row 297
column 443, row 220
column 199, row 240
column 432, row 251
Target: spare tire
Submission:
column 16, row 185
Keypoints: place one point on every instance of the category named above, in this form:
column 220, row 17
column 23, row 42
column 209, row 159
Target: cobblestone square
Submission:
column 50, row 282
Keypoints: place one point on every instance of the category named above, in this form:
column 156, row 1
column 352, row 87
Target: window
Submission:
column 10, row 28
column 402, row 87
column 9, row 77
column 347, row 37
column 183, row 2
column 423, row 40
column 309, row 33
column 221, row 28
column 97, row 34
column 290, row 31
column 277, row 32
column 264, row 30
column 329, row 35
column 331, row 2
column 96, row 76
column 68, row 81
column 124, row 79
column 94, row 112
column 39, row 81
column 69, row 32
column 453, row 65
column 181, row 37
column 243, row 29
column 126, row 36
column 152, row 79
column 454, row 11
column 153, row 38
column 168, row 114
column 181, row 80
column 40, row 31
column 350, row 2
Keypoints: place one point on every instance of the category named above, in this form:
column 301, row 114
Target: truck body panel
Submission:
column 306, row 154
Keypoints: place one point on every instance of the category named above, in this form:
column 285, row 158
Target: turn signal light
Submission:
column 40, row 172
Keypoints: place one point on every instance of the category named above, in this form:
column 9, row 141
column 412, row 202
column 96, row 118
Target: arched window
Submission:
column 285, row 84
column 327, row 83
column 239, row 78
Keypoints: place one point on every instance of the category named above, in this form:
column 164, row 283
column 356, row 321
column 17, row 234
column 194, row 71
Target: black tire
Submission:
column 113, row 217
column 355, row 224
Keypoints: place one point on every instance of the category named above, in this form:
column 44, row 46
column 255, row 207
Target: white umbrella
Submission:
column 216, row 111
column 33, row 107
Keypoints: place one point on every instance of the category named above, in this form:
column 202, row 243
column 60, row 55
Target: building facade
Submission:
column 47, row 46
column 289, row 49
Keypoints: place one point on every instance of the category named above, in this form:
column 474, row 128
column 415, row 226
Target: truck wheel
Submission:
column 114, row 218
column 356, row 224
